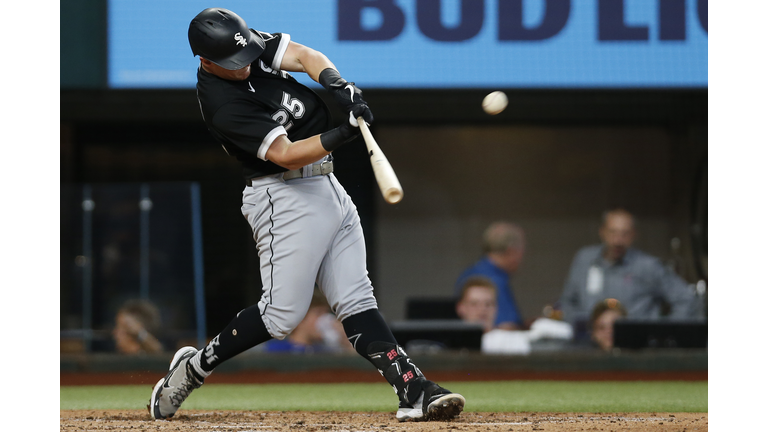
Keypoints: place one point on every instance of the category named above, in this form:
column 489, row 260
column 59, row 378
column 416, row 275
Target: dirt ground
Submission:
column 285, row 421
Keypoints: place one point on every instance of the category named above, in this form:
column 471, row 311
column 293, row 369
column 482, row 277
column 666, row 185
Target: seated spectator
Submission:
column 613, row 269
column 319, row 331
column 601, row 322
column 136, row 323
column 503, row 248
column 477, row 305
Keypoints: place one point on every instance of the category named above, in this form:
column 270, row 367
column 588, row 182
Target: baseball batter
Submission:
column 306, row 227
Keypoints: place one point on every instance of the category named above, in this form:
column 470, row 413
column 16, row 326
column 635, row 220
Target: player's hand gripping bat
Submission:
column 385, row 175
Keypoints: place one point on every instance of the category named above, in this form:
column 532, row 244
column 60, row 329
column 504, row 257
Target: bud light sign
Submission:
column 439, row 43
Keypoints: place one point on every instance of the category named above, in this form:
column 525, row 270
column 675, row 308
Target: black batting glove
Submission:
column 347, row 95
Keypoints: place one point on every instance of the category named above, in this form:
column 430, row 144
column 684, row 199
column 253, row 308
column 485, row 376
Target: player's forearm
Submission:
column 295, row 154
column 312, row 61
column 317, row 62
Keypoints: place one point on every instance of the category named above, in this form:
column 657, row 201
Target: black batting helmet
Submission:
column 222, row 37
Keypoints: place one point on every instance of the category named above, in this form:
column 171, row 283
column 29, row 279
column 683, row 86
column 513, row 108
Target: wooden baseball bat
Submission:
column 385, row 175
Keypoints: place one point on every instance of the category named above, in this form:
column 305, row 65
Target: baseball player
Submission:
column 306, row 227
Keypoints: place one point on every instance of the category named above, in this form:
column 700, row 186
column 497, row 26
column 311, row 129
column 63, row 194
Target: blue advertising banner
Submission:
column 438, row 43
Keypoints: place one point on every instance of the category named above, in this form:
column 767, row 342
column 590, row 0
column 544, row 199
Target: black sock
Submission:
column 366, row 327
column 245, row 331
column 373, row 340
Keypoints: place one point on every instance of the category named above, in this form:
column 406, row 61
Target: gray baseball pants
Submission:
column 307, row 232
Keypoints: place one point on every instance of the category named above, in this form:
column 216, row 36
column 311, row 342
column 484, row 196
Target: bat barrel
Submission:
column 385, row 175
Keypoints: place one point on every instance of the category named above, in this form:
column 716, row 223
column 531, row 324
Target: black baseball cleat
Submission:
column 171, row 391
column 434, row 404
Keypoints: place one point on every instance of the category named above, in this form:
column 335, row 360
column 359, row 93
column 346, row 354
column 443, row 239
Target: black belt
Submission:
column 324, row 168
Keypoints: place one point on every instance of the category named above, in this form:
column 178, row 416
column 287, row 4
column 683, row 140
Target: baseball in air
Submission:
column 495, row 102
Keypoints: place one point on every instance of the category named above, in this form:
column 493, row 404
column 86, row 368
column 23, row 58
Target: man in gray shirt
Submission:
column 616, row 270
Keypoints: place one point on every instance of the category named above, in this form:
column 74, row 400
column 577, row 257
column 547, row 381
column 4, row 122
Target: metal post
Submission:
column 197, row 256
column 88, row 206
column 145, row 205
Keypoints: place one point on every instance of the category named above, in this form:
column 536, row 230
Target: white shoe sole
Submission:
column 156, row 389
column 443, row 408
column 404, row 414
column 446, row 407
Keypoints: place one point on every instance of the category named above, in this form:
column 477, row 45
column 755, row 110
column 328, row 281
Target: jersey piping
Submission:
column 271, row 253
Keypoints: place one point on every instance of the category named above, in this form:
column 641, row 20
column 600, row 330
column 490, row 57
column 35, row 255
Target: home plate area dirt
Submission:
column 302, row 421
